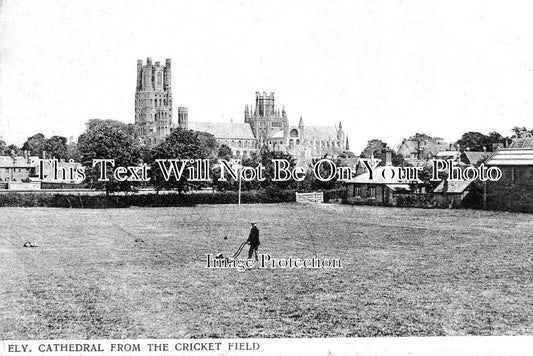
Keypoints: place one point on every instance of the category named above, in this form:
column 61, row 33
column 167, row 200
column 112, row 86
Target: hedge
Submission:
column 153, row 200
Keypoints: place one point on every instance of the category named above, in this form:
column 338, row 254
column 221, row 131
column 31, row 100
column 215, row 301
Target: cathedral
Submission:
column 264, row 125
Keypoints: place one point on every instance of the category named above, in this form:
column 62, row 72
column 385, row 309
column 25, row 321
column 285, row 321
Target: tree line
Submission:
column 104, row 139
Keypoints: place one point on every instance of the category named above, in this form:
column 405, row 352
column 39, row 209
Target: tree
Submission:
column 181, row 144
column 519, row 132
column 35, row 145
column 476, row 141
column 56, row 147
column 224, row 152
column 210, row 143
column 265, row 157
column 13, row 150
column 109, row 139
column 374, row 148
column 72, row 152
column 421, row 137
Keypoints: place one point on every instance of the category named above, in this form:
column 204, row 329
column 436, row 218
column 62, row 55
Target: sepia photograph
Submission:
column 266, row 177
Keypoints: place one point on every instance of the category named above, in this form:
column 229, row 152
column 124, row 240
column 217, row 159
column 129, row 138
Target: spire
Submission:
column 301, row 123
column 347, row 144
column 340, row 125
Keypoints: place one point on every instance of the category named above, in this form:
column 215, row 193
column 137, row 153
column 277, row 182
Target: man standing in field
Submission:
column 253, row 241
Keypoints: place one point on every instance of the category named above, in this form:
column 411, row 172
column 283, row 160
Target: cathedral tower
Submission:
column 153, row 101
column 265, row 118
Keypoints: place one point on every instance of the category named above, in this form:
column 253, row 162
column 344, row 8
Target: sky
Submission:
column 385, row 69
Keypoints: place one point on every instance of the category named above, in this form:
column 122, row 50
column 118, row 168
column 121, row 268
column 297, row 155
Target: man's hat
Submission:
column 253, row 223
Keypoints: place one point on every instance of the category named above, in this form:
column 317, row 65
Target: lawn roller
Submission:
column 235, row 255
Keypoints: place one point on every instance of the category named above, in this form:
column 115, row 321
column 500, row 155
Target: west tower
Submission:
column 153, row 101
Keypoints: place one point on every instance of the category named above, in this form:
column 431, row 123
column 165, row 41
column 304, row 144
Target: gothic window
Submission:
column 294, row 133
column 159, row 79
column 291, row 143
column 297, row 141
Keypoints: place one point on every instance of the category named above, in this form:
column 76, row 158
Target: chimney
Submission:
column 388, row 157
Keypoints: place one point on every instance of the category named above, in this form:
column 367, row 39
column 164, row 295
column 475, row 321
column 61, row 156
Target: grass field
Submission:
column 405, row 272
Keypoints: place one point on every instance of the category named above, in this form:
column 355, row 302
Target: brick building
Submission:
column 514, row 191
column 377, row 191
column 15, row 169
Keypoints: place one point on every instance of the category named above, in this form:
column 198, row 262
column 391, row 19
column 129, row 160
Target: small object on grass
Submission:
column 29, row 244
column 220, row 256
column 139, row 240
column 225, row 237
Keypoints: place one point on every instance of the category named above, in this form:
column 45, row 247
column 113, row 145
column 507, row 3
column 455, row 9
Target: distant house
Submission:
column 446, row 155
column 422, row 149
column 14, row 169
column 377, row 191
column 474, row 158
column 19, row 173
column 451, row 193
column 514, row 191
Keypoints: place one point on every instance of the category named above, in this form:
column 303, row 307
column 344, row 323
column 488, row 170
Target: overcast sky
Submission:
column 386, row 69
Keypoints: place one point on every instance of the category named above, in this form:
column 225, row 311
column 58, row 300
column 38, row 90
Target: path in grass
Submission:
column 405, row 272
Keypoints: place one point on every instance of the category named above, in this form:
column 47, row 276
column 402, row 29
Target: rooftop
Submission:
column 453, row 187
column 224, row 130
column 520, row 153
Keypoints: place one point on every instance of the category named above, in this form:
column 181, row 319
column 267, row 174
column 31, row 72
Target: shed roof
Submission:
column 453, row 186
column 476, row 156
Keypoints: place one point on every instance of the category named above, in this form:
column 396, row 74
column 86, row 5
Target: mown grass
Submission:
column 406, row 272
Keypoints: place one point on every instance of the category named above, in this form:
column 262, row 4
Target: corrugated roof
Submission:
column 224, row 130
column 512, row 157
column 453, row 186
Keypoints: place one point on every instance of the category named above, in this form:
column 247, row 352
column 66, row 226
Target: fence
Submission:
column 314, row 197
